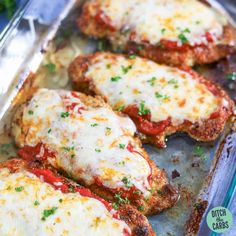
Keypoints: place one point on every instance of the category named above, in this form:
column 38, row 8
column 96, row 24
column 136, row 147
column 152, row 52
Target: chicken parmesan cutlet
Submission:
column 38, row 201
column 174, row 32
column 81, row 136
column 161, row 100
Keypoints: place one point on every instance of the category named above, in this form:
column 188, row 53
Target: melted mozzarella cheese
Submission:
column 24, row 198
column 153, row 20
column 89, row 144
column 165, row 91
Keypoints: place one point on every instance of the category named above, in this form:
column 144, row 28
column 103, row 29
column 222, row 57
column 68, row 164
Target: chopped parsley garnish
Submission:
column 127, row 182
column 36, row 203
column 137, row 192
column 97, row 150
column 187, row 30
column 143, row 110
column 49, row 131
column 121, row 200
column 163, row 31
column 173, row 81
column 183, row 38
column 108, row 66
column 152, row 81
column 115, row 206
column 153, row 190
column 141, row 208
column 71, row 189
column 122, row 163
column 231, row 76
column 199, row 151
column 121, row 108
column 115, row 79
column 140, row 47
column 198, row 22
column 51, row 67
column 19, row 189
column 164, row 97
column 72, row 155
column 122, row 146
column 125, row 69
column 48, row 212
column 65, row 114
column 94, row 124
column 68, row 148
column 132, row 56
column 60, row 200
column 108, row 131
column 30, row 112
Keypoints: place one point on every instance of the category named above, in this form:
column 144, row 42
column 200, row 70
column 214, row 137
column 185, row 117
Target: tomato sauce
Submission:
column 59, row 184
column 173, row 45
column 30, row 153
column 144, row 124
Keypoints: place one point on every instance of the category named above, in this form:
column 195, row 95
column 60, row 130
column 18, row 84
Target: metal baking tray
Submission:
column 205, row 180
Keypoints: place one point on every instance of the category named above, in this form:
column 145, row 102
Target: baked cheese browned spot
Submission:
column 83, row 137
column 161, row 100
column 172, row 32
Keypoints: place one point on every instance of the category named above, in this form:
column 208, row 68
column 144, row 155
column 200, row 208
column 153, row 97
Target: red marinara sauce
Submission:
column 144, row 123
column 59, row 183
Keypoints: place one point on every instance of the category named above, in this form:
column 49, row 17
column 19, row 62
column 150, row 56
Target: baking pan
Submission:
column 205, row 180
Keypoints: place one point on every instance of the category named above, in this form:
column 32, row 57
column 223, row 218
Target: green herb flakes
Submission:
column 121, row 200
column 125, row 69
column 121, row 108
column 143, row 110
column 115, row 206
column 115, row 79
column 48, row 212
column 19, row 189
column 122, row 146
column 141, row 208
column 231, row 76
column 152, row 81
column 164, row 97
column 30, row 112
column 36, row 203
column 65, row 114
column 127, row 182
column 51, row 67
column 133, row 56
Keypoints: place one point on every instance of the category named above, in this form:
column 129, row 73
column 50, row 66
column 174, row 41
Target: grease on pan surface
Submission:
column 173, row 32
column 161, row 100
